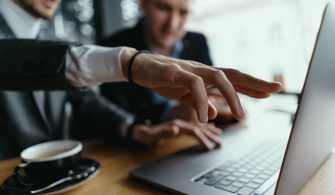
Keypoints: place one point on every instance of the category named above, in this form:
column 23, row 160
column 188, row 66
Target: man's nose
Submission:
column 173, row 21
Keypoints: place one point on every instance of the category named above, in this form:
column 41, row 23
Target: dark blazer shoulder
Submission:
column 196, row 48
column 125, row 37
column 195, row 36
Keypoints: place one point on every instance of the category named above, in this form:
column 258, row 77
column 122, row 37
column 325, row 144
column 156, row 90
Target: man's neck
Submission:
column 154, row 46
column 160, row 50
column 22, row 23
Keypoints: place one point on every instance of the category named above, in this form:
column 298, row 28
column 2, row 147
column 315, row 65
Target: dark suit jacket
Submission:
column 138, row 100
column 24, row 121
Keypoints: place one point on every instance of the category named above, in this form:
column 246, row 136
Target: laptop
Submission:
column 253, row 162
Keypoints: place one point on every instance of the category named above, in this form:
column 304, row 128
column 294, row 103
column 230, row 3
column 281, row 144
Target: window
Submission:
column 265, row 38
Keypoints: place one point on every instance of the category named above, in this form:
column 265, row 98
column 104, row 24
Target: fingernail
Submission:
column 204, row 118
column 211, row 146
column 241, row 113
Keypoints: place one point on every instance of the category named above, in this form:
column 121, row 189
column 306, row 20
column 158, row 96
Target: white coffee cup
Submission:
column 51, row 151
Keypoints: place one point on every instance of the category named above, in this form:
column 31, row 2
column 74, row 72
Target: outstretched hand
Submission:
column 187, row 82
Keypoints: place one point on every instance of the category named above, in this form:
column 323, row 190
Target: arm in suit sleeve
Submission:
column 48, row 65
column 94, row 115
column 32, row 64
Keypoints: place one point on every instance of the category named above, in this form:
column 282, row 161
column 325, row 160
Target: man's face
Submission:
column 40, row 8
column 166, row 19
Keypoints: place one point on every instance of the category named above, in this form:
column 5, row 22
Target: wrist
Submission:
column 126, row 54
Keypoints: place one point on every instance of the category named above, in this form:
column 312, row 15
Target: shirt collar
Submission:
column 177, row 49
column 22, row 23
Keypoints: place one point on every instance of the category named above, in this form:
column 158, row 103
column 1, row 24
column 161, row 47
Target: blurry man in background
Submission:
column 161, row 30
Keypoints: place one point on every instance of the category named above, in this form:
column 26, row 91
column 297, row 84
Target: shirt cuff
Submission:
column 89, row 65
column 125, row 127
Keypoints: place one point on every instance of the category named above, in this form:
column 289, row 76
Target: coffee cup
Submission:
column 49, row 159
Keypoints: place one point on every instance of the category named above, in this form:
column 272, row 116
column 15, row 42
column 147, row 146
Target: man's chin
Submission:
column 45, row 15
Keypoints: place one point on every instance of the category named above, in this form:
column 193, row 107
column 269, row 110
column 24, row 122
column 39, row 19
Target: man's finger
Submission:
column 221, row 82
column 212, row 137
column 165, row 131
column 197, row 92
column 251, row 93
column 247, row 81
column 214, row 129
column 190, row 129
column 212, row 112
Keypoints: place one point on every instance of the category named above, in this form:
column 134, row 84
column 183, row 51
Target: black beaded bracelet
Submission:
column 130, row 64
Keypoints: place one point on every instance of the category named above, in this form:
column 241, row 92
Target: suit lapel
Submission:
column 5, row 31
column 40, row 106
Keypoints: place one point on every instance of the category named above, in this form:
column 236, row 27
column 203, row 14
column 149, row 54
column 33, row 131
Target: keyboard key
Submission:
column 231, row 178
column 215, row 172
column 225, row 182
column 249, row 175
column 245, row 191
column 198, row 179
column 201, row 180
column 260, row 168
column 238, row 184
column 240, row 163
column 224, row 173
column 253, row 185
column 235, row 166
column 232, row 189
column 244, row 179
column 248, row 166
column 238, row 174
column 207, row 175
column 268, row 172
column 243, row 170
column 229, row 169
column 263, row 176
column 213, row 180
column 225, row 165
column 255, row 171
column 258, row 180
column 265, row 164
column 222, row 167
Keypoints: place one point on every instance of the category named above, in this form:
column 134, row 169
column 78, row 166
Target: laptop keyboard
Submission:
column 254, row 173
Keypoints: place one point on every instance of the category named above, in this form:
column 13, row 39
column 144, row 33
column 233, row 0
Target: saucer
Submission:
column 85, row 170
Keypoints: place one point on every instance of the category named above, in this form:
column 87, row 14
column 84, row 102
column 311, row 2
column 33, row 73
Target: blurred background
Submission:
column 272, row 39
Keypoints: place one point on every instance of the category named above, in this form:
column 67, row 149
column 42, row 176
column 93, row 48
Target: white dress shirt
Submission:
column 86, row 65
column 23, row 24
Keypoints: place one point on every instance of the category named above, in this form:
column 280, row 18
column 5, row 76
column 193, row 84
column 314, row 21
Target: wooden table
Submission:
column 117, row 162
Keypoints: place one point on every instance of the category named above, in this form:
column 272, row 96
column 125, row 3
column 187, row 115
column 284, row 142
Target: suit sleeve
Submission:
column 32, row 65
column 93, row 114
column 46, row 65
